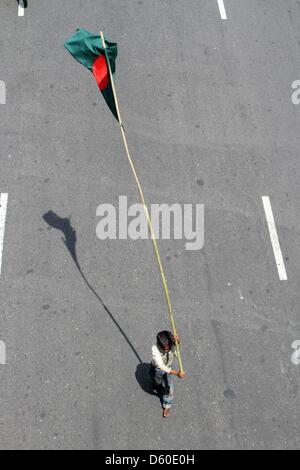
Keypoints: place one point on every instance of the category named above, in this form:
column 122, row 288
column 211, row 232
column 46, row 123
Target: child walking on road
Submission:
column 163, row 356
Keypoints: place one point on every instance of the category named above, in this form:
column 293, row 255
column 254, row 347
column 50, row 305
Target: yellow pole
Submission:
column 153, row 237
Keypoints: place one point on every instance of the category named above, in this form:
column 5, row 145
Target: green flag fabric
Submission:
column 88, row 50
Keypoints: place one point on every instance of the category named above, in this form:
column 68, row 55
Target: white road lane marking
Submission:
column 2, row 92
column 222, row 9
column 3, row 210
column 2, row 353
column 274, row 239
column 21, row 9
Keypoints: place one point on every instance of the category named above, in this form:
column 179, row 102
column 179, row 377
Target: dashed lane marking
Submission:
column 274, row 239
column 2, row 92
column 222, row 9
column 3, row 210
column 2, row 353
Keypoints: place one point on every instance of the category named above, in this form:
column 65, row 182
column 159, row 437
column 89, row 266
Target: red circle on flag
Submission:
column 100, row 72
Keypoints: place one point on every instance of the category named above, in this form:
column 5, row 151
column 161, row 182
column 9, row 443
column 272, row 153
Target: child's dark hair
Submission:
column 165, row 339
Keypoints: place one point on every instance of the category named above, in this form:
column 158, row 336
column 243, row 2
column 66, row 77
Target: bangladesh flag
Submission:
column 87, row 48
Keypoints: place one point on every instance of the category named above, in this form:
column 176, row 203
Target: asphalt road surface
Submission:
column 207, row 106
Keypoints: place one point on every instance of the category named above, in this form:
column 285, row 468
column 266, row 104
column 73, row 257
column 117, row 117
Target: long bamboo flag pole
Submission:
column 153, row 237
